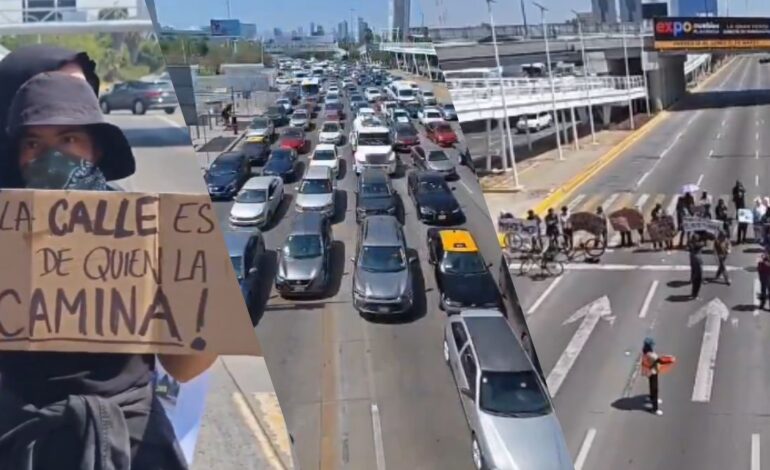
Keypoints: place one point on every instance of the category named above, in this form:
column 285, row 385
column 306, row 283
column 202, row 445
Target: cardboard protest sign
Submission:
column 117, row 272
column 626, row 220
column 661, row 229
column 745, row 216
column 589, row 222
column 697, row 224
column 699, row 210
column 518, row 225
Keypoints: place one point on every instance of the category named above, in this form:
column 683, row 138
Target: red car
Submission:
column 441, row 133
column 293, row 138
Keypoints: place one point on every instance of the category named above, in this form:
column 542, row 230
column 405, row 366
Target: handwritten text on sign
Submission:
column 117, row 272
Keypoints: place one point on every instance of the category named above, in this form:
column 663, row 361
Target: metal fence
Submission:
column 482, row 88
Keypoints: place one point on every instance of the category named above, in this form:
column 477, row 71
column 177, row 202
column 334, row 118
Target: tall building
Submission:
column 277, row 32
column 362, row 27
column 630, row 11
column 694, row 8
column 342, row 31
column 604, row 11
column 312, row 28
column 398, row 18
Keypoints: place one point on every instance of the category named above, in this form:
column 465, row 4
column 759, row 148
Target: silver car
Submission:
column 261, row 127
column 382, row 276
column 509, row 411
column 257, row 201
column 315, row 193
column 304, row 262
column 301, row 119
column 434, row 160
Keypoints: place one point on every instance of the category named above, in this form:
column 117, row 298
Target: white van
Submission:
column 372, row 146
column 402, row 91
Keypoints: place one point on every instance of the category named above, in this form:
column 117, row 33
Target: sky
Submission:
column 290, row 14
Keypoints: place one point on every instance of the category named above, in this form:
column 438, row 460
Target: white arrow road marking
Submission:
column 755, row 452
column 714, row 312
column 590, row 314
column 580, row 461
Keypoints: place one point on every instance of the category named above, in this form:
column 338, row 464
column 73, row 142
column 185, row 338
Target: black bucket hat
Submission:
column 59, row 99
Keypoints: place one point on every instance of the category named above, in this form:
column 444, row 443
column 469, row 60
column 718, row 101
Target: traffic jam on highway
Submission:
column 353, row 160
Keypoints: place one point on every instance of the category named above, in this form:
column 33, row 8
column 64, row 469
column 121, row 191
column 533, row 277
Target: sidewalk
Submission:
column 213, row 141
column 243, row 427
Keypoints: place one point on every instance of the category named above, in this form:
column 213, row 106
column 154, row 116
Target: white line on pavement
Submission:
column 756, row 155
column 638, row 267
column 755, row 452
column 671, row 209
column 173, row 123
column 724, row 121
column 757, row 291
column 470, row 191
column 756, row 180
column 578, row 199
column 586, row 447
column 711, row 153
column 379, row 447
column 700, row 180
column 719, row 135
column 545, row 294
column 644, row 177
column 642, row 199
column 757, row 135
column 648, row 299
column 609, row 201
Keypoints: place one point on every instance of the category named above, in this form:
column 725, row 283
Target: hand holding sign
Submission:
column 117, row 272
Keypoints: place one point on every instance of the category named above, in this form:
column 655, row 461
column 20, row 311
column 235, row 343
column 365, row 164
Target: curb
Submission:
column 500, row 190
column 560, row 194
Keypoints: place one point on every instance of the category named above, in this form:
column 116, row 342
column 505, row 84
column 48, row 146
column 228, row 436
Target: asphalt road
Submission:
column 716, row 402
column 354, row 392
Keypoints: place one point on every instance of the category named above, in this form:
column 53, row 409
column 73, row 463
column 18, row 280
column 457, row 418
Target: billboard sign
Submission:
column 226, row 28
column 711, row 33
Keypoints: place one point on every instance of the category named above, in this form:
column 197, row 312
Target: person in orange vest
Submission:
column 651, row 370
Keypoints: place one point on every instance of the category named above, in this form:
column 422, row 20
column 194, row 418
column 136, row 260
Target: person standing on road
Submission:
column 721, row 214
column 654, row 216
column 651, row 370
column 552, row 228
column 566, row 227
column 696, row 265
column 603, row 216
column 226, row 114
column 682, row 211
column 536, row 230
column 739, row 196
column 756, row 216
column 722, row 250
column 763, row 271
column 705, row 201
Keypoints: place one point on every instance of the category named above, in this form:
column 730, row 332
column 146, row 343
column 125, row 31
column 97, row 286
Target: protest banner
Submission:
column 745, row 216
column 517, row 225
column 661, row 229
column 117, row 272
column 699, row 210
column 698, row 224
column 587, row 221
column 626, row 220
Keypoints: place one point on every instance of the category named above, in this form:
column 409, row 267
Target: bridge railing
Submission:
column 57, row 13
column 487, row 88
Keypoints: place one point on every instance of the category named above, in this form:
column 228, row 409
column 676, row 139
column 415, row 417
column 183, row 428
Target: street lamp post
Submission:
column 505, row 105
column 586, row 73
column 550, row 77
column 628, row 79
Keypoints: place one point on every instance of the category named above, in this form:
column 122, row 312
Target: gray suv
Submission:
column 382, row 276
column 304, row 262
column 138, row 97
column 506, row 403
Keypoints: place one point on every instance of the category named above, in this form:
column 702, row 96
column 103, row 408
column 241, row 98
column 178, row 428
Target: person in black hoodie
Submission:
column 63, row 409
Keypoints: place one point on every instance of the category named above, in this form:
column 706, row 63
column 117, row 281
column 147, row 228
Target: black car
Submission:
column 256, row 152
column 246, row 250
column 227, row 174
column 413, row 108
column 405, row 136
column 375, row 194
column 433, row 199
column 277, row 114
column 462, row 275
column 283, row 163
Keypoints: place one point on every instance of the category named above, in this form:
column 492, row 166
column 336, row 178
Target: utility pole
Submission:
column 586, row 75
column 550, row 78
column 524, row 17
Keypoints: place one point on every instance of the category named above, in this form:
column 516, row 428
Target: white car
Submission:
column 372, row 94
column 331, row 133
column 333, row 89
column 428, row 115
column 399, row 115
column 300, row 119
column 366, row 113
column 326, row 155
column 427, row 98
column 257, row 201
column 332, row 98
column 535, row 122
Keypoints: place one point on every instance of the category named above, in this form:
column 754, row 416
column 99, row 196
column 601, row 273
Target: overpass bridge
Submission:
column 117, row 17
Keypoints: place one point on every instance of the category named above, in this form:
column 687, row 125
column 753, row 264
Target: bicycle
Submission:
column 545, row 260
column 591, row 249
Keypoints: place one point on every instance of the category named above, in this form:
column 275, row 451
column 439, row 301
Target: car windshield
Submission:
column 443, row 128
column 449, row 107
column 437, row 156
column 324, row 155
column 406, row 131
column 292, row 133
column 224, row 168
column 237, row 265
column 383, row 259
column 374, row 139
column 427, row 94
column 258, row 123
column 406, row 93
column 251, row 196
column 300, row 115
column 315, row 187
column 302, row 246
column 374, row 190
column 432, row 114
column 280, row 154
column 516, row 394
column 330, row 127
column 332, row 106
column 463, row 263
column 431, row 186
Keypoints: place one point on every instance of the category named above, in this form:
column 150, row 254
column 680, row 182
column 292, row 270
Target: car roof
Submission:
column 427, row 175
column 496, row 346
column 315, row 172
column 331, row 147
column 381, row 230
column 458, row 241
column 259, row 182
column 228, row 157
column 374, row 175
column 307, row 223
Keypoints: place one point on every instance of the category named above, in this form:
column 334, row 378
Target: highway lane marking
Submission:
column 607, row 204
column 379, row 447
column 638, row 267
column 714, row 313
column 268, row 451
column 757, row 135
column 648, row 299
column 755, row 453
column 700, row 180
column 756, row 180
column 543, row 296
column 724, row 121
column 671, row 209
column 178, row 125
column 573, row 203
column 719, row 135
column 640, row 202
column 470, row 191
column 589, row 317
column 644, row 177
column 755, row 299
column 585, row 448
column 711, row 153
column 756, row 155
